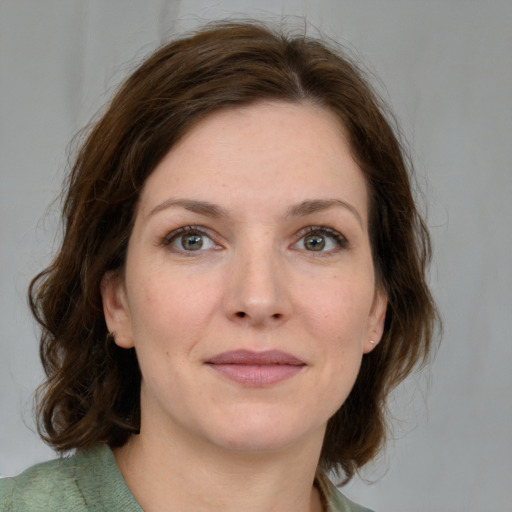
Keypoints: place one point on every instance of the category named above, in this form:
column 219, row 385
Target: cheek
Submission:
column 170, row 311
column 339, row 307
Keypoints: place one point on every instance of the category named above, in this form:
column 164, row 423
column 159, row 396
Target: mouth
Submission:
column 256, row 369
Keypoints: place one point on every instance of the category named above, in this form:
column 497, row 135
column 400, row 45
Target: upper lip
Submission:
column 247, row 357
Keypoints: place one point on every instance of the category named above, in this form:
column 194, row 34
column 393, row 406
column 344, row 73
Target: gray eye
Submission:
column 192, row 242
column 321, row 239
column 314, row 242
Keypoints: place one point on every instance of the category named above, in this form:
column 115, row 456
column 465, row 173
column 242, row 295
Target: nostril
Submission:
column 243, row 314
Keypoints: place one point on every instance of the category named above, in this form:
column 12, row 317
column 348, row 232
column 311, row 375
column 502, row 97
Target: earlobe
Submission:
column 376, row 320
column 115, row 309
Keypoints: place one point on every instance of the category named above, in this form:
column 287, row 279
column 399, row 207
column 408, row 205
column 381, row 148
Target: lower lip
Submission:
column 257, row 375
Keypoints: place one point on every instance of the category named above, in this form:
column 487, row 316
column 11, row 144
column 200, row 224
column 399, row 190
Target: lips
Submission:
column 256, row 369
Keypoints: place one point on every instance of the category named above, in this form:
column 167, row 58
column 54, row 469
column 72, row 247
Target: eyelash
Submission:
column 183, row 230
column 340, row 240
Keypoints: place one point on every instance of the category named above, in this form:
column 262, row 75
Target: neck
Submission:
column 174, row 473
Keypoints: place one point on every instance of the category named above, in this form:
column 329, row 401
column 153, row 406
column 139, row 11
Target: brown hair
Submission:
column 92, row 389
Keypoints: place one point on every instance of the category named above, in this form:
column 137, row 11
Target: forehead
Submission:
column 265, row 153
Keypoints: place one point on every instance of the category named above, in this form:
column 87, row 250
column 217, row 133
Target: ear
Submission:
column 115, row 308
column 376, row 319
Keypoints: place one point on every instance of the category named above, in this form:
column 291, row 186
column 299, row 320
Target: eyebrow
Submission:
column 201, row 207
column 316, row 205
column 212, row 210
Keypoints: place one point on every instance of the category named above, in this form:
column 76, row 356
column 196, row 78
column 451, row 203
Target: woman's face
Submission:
column 249, row 291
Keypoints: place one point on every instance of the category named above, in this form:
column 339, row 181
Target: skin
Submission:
column 281, row 178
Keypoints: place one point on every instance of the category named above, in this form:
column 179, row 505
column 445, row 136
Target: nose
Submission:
column 258, row 292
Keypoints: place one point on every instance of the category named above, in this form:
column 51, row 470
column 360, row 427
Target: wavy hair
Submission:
column 92, row 389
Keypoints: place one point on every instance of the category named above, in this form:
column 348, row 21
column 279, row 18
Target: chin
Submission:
column 266, row 434
column 258, row 442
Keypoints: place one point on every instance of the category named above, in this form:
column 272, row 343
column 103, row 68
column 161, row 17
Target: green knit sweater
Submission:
column 91, row 481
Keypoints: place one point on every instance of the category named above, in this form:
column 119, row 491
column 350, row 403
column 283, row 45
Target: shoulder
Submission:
column 335, row 500
column 42, row 487
column 87, row 481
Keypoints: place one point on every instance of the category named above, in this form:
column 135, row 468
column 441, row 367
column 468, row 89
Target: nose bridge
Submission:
column 257, row 291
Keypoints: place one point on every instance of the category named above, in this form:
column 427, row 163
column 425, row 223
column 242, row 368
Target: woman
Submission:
column 240, row 285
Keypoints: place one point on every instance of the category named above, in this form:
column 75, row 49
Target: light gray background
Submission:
column 447, row 67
